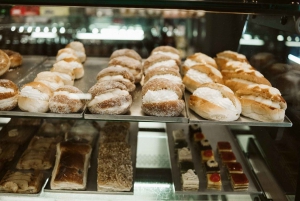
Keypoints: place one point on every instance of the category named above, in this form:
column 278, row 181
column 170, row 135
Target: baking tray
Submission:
column 91, row 187
column 213, row 134
column 195, row 118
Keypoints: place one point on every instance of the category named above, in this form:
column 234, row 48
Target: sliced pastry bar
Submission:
column 114, row 132
column 214, row 181
column 22, row 182
column 207, row 155
column 184, row 154
column 227, row 157
column 223, row 146
column 211, row 166
column 71, row 166
column 186, row 165
column 239, row 182
column 190, row 181
column 234, row 167
column 204, row 145
column 179, row 138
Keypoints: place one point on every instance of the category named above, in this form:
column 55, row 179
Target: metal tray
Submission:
column 195, row 118
column 91, row 187
column 213, row 134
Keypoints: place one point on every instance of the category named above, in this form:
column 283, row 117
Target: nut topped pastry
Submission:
column 262, row 103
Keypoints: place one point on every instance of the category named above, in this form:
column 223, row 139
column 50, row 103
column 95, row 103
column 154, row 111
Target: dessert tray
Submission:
column 34, row 65
column 213, row 134
column 91, row 187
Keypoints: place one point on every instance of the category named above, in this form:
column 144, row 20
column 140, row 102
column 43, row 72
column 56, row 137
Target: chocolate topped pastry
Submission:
column 212, row 166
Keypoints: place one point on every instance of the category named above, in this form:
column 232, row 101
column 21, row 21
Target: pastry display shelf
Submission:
column 35, row 64
column 213, row 134
column 239, row 6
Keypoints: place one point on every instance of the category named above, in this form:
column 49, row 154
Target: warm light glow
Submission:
column 292, row 44
column 280, row 38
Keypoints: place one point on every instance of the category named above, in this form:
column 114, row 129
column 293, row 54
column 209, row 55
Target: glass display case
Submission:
column 266, row 32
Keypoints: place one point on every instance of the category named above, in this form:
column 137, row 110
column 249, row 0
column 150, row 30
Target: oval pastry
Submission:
column 9, row 93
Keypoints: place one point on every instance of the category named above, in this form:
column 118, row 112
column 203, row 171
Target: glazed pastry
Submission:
column 132, row 65
column 15, row 58
column 109, row 97
column 207, row 155
column 214, row 181
column 201, row 74
column 262, row 103
column 71, row 166
column 198, row 58
column 50, row 79
column 79, row 50
column 66, row 99
column 34, row 97
column 239, row 182
column 161, row 97
column 9, row 93
column 126, row 52
column 223, row 146
column 4, row 62
column 215, row 102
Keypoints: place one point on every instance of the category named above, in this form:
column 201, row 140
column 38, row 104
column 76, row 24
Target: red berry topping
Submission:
column 198, row 136
column 215, row 177
column 208, row 153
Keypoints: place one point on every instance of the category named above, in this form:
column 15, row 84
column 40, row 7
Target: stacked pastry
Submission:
column 51, row 90
column 112, row 92
column 162, row 88
column 115, row 171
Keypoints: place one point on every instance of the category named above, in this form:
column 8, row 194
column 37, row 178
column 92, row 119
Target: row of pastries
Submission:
column 222, row 87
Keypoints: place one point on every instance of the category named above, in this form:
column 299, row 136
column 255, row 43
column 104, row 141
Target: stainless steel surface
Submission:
column 195, row 118
column 91, row 187
column 213, row 134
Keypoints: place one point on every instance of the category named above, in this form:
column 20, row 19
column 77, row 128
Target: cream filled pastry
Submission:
column 234, row 65
column 65, row 53
column 126, row 52
column 169, row 51
column 74, row 64
column 215, row 102
column 197, row 58
column 9, row 93
column 262, row 103
column 156, row 61
column 119, row 74
column 160, row 97
column 34, row 97
column 240, row 78
column 132, row 65
column 50, row 79
column 64, row 71
column 4, row 62
column 109, row 97
column 66, row 99
column 201, row 74
column 225, row 56
column 78, row 49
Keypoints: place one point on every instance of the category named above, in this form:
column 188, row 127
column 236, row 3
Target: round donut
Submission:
column 15, row 58
column 4, row 62
column 9, row 93
column 66, row 99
